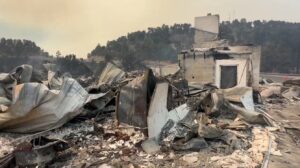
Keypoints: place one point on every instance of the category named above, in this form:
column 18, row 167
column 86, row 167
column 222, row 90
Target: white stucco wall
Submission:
column 242, row 71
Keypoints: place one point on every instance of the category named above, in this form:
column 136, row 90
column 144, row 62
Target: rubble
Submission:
column 32, row 107
column 36, row 152
column 292, row 82
column 177, row 125
column 147, row 122
column 158, row 112
column 271, row 90
column 194, row 144
column 35, row 108
column 292, row 93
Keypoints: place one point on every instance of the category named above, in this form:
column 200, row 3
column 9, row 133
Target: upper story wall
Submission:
column 206, row 29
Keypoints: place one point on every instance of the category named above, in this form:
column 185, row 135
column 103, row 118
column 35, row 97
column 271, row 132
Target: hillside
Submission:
column 161, row 43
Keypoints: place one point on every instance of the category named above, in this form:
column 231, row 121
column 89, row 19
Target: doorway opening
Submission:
column 228, row 76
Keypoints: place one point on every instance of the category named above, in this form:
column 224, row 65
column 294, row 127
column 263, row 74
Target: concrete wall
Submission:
column 199, row 70
column 211, row 44
column 255, row 63
column 208, row 23
column 202, row 37
column 206, row 29
column 164, row 70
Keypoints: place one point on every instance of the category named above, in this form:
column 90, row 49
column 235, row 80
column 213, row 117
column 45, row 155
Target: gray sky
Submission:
column 77, row 26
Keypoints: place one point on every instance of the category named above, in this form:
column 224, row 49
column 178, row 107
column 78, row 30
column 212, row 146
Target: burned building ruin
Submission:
column 213, row 60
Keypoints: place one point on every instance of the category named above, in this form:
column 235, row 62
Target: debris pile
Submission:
column 273, row 92
column 135, row 119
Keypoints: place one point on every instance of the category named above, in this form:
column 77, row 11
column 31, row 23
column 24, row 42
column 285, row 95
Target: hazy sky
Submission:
column 77, row 26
